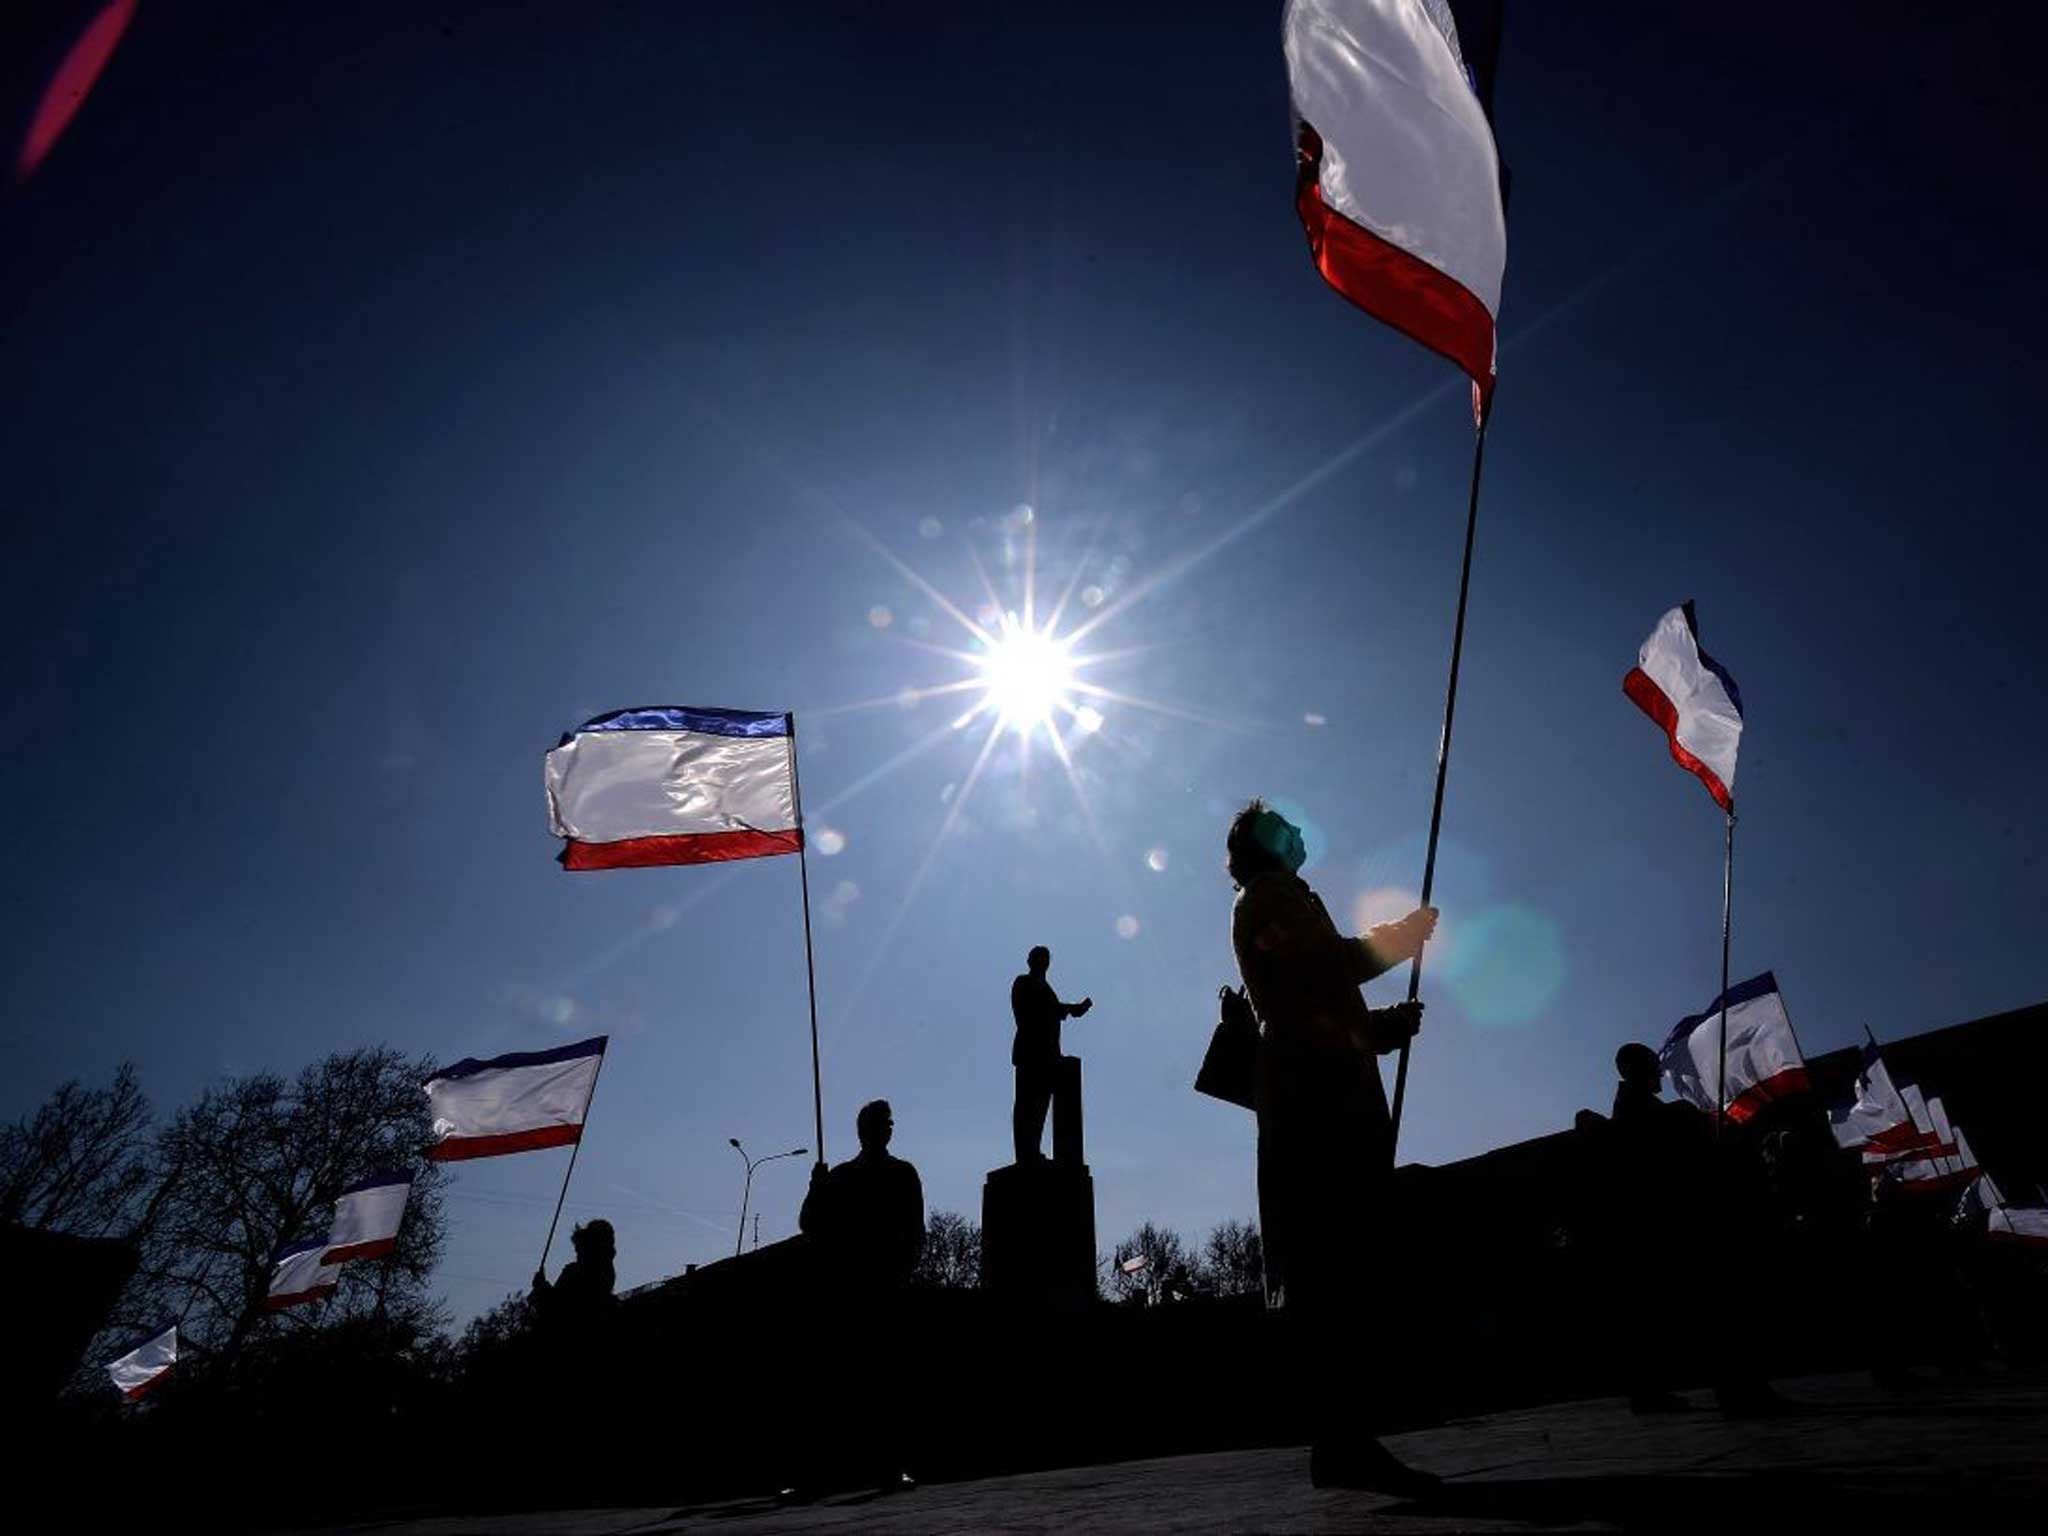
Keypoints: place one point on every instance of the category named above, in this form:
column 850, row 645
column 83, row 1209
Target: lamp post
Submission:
column 747, row 1193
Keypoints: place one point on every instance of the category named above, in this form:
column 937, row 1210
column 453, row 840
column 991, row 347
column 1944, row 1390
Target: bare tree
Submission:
column 1233, row 1260
column 82, row 1163
column 258, row 1161
column 951, row 1260
column 1165, row 1259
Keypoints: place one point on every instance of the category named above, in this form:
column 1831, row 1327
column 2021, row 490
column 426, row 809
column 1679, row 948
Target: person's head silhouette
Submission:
column 1261, row 841
column 594, row 1241
column 1040, row 959
column 1639, row 1068
column 874, row 1125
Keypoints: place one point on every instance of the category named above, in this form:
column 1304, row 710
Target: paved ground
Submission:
column 1954, row 1456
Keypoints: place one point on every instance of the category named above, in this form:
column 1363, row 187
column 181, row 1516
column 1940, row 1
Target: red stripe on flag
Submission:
column 1903, row 1137
column 133, row 1393
column 695, row 848
column 1780, row 1085
column 1391, row 284
column 2018, row 1239
column 374, row 1249
column 459, row 1148
column 294, row 1298
column 1650, row 699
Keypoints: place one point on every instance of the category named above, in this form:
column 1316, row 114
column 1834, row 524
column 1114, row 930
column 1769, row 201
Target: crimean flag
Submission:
column 515, row 1103
column 1925, row 1140
column 1693, row 698
column 143, row 1361
column 1764, row 1062
column 367, row 1217
column 1877, row 1118
column 641, row 787
column 299, row 1273
column 1399, row 181
column 2025, row 1226
column 1986, row 1190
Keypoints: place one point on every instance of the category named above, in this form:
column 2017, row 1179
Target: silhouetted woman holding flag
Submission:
column 1325, row 1137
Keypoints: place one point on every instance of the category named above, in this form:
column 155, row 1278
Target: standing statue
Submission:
column 1042, row 1072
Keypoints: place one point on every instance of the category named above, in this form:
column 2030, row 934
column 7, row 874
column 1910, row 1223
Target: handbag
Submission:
column 1231, row 1063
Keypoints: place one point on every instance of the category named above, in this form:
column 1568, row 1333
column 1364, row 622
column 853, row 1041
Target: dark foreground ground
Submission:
column 1962, row 1454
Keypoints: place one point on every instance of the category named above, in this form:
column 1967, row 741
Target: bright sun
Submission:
column 1028, row 675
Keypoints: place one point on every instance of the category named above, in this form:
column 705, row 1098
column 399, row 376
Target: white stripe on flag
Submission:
column 615, row 786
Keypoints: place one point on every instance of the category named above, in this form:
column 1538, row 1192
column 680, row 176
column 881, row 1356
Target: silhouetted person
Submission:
column 1325, row 1137
column 1658, row 1176
column 1690, row 1218
column 866, row 1218
column 867, row 1215
column 1036, row 1051
column 582, row 1293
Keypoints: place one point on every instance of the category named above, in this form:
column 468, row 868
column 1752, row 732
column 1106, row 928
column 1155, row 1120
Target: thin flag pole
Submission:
column 574, row 1147
column 1443, row 759
column 1727, row 902
column 803, row 865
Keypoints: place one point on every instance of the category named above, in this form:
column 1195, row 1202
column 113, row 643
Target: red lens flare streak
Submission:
column 72, row 83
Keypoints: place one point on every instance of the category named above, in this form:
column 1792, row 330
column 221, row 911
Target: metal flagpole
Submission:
column 810, row 968
column 1443, row 760
column 1727, row 900
column 574, row 1147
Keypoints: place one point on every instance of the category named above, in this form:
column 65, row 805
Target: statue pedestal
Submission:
column 1038, row 1234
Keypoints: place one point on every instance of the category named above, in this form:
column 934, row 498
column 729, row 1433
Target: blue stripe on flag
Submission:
column 678, row 717
column 469, row 1066
column 284, row 1251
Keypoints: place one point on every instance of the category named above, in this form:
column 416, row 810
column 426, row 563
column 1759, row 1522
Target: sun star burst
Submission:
column 1028, row 676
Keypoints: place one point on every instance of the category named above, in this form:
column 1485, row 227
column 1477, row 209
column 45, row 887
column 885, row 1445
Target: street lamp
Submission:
column 747, row 1193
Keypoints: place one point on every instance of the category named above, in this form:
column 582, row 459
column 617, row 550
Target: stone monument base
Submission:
column 1038, row 1234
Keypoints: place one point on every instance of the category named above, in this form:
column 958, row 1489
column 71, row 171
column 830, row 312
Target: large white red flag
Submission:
column 513, row 1103
column 1399, row 186
column 367, row 1217
column 299, row 1273
column 143, row 1361
column 1691, row 695
column 642, row 787
column 1763, row 1056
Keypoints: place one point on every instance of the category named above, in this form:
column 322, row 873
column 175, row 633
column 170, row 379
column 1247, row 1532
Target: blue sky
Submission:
column 388, row 395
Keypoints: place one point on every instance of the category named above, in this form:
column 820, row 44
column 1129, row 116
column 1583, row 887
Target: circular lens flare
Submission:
column 1028, row 675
